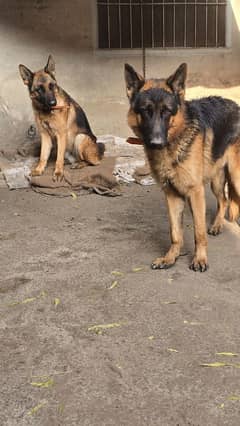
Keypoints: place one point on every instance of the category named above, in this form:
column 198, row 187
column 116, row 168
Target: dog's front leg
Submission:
column 175, row 205
column 198, row 206
column 61, row 148
column 46, row 146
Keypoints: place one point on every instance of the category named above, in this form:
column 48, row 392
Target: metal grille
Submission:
column 161, row 23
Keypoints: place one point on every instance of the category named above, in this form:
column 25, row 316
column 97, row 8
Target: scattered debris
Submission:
column 191, row 322
column 101, row 327
column 215, row 364
column 141, row 268
column 226, row 354
column 234, row 398
column 57, row 301
column 22, row 302
column 113, row 285
column 28, row 299
column 74, row 196
column 172, row 350
column 117, row 273
column 60, row 408
column 46, row 384
column 34, row 410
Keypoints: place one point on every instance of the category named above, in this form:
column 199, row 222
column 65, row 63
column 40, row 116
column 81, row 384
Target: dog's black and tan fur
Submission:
column 59, row 119
column 187, row 143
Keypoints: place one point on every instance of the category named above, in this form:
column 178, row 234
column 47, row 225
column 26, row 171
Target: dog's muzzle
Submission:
column 158, row 143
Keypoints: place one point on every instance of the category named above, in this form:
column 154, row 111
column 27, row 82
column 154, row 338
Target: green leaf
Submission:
column 60, row 408
column 234, row 398
column 215, row 364
column 172, row 350
column 137, row 269
column 117, row 273
column 113, row 285
column 34, row 410
column 57, row 301
column 151, row 337
column 191, row 322
column 226, row 353
column 74, row 196
column 99, row 328
column 48, row 383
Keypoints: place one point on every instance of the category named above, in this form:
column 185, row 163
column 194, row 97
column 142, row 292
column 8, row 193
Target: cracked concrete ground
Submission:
column 57, row 259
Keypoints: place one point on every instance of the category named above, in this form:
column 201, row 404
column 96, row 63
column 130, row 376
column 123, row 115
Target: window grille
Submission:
column 124, row 24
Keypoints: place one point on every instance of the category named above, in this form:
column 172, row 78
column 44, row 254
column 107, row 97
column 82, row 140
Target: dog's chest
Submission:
column 169, row 173
column 53, row 123
column 162, row 167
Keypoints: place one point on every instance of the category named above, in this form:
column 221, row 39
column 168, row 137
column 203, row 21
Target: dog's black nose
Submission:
column 52, row 102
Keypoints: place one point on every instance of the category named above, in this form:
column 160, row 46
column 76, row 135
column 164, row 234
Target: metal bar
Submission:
column 153, row 35
column 120, row 24
column 185, row 24
column 109, row 31
column 195, row 24
column 130, row 16
column 206, row 17
column 143, row 42
column 217, row 25
column 174, row 24
column 163, row 22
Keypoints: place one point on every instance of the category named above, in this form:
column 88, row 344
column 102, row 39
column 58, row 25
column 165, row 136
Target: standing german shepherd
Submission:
column 59, row 118
column 187, row 144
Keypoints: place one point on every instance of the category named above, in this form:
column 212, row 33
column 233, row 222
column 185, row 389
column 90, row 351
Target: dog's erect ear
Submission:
column 134, row 81
column 50, row 67
column 176, row 81
column 26, row 75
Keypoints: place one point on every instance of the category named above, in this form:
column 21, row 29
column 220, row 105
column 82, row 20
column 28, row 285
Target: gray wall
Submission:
column 31, row 29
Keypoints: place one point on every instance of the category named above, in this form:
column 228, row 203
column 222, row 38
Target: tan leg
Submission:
column 46, row 146
column 217, row 185
column 61, row 148
column 175, row 205
column 198, row 207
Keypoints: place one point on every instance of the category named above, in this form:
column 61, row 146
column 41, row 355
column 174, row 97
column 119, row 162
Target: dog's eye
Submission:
column 167, row 113
column 51, row 86
column 147, row 111
column 150, row 111
column 40, row 89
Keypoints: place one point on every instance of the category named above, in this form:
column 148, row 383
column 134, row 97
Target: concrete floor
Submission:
column 57, row 259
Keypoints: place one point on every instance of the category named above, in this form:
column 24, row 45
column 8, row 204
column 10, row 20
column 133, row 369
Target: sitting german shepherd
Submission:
column 59, row 119
column 187, row 144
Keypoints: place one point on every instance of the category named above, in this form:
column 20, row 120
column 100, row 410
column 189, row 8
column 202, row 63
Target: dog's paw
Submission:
column 79, row 165
column 199, row 264
column 38, row 171
column 162, row 263
column 215, row 230
column 58, row 174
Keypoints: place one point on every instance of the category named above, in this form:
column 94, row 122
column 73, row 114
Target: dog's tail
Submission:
column 101, row 149
column 234, row 203
column 233, row 179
